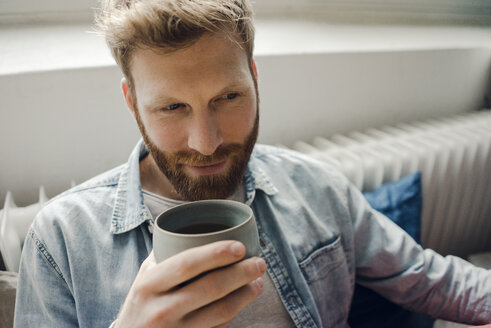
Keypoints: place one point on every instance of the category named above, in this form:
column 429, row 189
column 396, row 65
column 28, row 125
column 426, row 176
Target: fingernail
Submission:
column 259, row 282
column 261, row 265
column 237, row 249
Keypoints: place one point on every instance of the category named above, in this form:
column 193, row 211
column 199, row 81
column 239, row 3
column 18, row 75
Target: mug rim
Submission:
column 196, row 203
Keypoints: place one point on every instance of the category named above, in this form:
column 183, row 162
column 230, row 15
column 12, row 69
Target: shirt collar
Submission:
column 255, row 178
column 129, row 209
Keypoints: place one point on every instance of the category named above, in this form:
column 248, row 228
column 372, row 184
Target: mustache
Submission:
column 194, row 158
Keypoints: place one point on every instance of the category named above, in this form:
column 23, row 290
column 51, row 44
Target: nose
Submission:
column 204, row 135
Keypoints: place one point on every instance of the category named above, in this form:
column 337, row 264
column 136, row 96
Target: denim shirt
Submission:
column 317, row 234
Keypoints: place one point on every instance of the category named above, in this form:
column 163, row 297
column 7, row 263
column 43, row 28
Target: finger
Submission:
column 224, row 325
column 217, row 284
column 149, row 262
column 222, row 312
column 192, row 262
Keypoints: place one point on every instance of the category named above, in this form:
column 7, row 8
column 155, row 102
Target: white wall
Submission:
column 321, row 94
column 72, row 124
column 33, row 6
column 61, row 125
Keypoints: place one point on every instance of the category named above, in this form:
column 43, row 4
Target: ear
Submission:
column 254, row 68
column 127, row 95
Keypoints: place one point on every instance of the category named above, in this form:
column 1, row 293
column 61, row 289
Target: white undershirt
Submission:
column 267, row 311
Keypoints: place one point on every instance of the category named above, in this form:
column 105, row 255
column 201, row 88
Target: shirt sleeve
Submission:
column 391, row 263
column 43, row 296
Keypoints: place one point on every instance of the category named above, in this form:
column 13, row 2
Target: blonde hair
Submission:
column 170, row 25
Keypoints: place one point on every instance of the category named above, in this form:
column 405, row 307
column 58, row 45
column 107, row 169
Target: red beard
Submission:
column 214, row 186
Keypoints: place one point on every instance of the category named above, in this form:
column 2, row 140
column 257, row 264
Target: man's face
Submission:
column 197, row 111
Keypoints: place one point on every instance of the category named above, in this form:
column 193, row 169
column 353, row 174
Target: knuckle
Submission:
column 221, row 251
column 162, row 314
column 140, row 289
column 140, row 295
column 182, row 267
column 159, row 319
column 148, row 263
column 225, row 311
column 211, row 287
column 177, row 302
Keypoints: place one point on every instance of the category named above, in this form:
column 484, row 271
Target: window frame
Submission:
column 468, row 10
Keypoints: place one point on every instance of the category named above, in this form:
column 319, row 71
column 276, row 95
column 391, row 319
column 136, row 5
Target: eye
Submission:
column 230, row 96
column 173, row 107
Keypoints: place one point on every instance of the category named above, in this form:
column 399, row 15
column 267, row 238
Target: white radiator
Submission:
column 454, row 156
column 14, row 224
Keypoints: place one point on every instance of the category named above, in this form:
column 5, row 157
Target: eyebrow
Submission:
column 240, row 84
column 159, row 100
column 163, row 99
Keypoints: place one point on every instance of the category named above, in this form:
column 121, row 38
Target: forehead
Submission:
column 213, row 60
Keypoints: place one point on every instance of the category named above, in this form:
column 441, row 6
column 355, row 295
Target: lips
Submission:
column 208, row 169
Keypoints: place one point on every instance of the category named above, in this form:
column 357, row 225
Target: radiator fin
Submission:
column 454, row 157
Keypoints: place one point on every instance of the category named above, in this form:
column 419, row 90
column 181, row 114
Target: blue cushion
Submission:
column 401, row 202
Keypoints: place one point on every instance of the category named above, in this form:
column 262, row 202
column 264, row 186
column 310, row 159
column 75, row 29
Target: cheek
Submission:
column 238, row 124
column 167, row 136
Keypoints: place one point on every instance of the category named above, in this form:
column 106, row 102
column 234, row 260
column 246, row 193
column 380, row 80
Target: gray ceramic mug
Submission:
column 203, row 222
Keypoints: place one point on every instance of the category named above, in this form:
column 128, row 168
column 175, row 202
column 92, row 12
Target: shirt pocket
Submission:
column 322, row 261
column 327, row 274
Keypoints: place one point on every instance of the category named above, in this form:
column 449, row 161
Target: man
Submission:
column 191, row 83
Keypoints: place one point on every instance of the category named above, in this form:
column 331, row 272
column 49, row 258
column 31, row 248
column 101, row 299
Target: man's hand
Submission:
column 158, row 297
